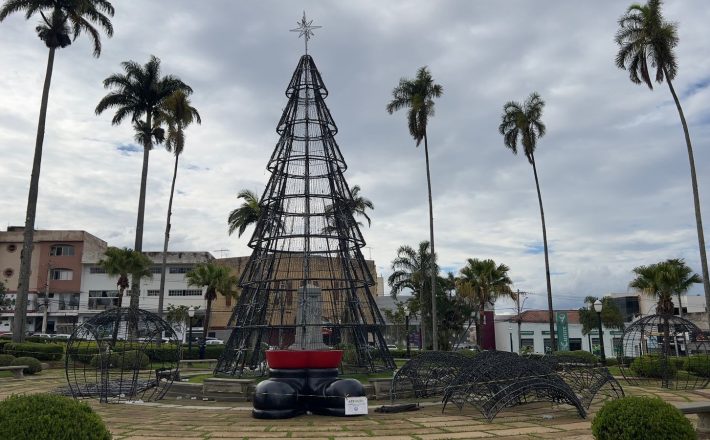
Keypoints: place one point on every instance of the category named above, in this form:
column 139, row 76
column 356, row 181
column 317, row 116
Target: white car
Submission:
column 214, row 342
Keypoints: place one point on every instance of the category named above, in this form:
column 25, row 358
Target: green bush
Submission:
column 211, row 351
column 698, row 365
column 653, row 367
column 163, row 353
column 47, row 416
column 632, row 418
column 583, row 356
column 3, row 342
column 37, row 350
column 402, row 354
column 126, row 360
column 6, row 360
column 34, row 365
column 610, row 362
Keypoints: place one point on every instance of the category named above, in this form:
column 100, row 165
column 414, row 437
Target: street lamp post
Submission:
column 590, row 307
column 510, row 331
column 406, row 325
column 190, row 314
column 598, row 309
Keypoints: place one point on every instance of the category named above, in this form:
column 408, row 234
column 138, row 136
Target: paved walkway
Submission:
column 189, row 419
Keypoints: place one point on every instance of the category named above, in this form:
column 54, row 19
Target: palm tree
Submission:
column 482, row 282
column 644, row 35
column 418, row 95
column 178, row 114
column 61, row 20
column 523, row 121
column 137, row 93
column 247, row 213
column 216, row 279
column 358, row 205
column 682, row 279
column 411, row 271
column 121, row 263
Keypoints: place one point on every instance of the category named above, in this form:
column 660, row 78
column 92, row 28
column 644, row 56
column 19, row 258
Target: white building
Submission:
column 535, row 333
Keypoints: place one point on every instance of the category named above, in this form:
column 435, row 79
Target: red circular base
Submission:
column 294, row 359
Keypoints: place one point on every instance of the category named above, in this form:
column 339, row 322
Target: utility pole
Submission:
column 519, row 310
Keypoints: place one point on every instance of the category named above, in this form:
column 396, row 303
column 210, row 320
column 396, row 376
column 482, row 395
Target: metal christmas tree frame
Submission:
column 307, row 285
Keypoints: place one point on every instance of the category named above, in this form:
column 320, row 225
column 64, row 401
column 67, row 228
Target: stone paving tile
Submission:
column 456, row 435
column 575, row 426
column 523, row 431
column 414, row 431
column 483, row 428
column 447, row 424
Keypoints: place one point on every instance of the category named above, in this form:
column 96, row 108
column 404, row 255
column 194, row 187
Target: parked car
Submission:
column 392, row 347
column 61, row 336
column 214, row 342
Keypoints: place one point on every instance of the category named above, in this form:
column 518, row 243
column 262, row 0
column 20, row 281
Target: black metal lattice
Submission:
column 665, row 351
column 122, row 354
column 427, row 375
column 588, row 380
column 306, row 284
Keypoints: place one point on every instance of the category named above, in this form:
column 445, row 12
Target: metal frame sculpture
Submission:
column 306, row 285
column 665, row 351
column 427, row 375
column 588, row 380
column 123, row 354
column 494, row 380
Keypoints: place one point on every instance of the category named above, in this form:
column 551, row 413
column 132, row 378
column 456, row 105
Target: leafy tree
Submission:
column 396, row 317
column 357, row 206
column 523, row 121
column 140, row 92
column 412, row 270
column 62, row 22
column 178, row 315
column 247, row 213
column 683, row 279
column 123, row 263
column 4, row 302
column 417, row 95
column 216, row 279
column 645, row 37
column 178, row 114
column 611, row 316
column 481, row 283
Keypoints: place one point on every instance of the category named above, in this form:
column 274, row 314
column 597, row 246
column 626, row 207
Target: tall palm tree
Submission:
column 61, row 22
column 178, row 114
column 482, row 282
column 216, row 279
column 139, row 92
column 123, row 263
column 524, row 121
column 412, row 271
column 247, row 213
column 418, row 95
column 644, row 38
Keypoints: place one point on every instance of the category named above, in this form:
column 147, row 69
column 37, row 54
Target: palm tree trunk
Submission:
column 434, row 332
column 136, row 281
column 206, row 326
column 696, row 198
column 20, row 316
column 481, row 323
column 680, row 306
column 553, row 344
column 161, row 295
column 114, row 337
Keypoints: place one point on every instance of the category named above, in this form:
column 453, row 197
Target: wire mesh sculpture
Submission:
column 665, row 351
column 494, row 380
column 306, row 285
column 122, row 354
column 427, row 375
column 589, row 380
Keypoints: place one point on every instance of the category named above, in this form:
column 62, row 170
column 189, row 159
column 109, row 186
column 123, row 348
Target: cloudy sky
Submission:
column 613, row 166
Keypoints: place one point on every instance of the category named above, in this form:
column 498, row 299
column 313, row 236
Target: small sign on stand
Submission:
column 355, row 406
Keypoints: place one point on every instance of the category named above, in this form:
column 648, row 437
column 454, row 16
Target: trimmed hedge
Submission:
column 632, row 418
column 402, row 354
column 211, row 351
column 41, row 351
column 583, row 356
column 6, row 360
column 124, row 360
column 47, row 416
column 698, row 365
column 34, row 366
column 653, row 367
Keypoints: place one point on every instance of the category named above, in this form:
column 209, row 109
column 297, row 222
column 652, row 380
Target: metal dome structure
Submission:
column 122, row 354
column 665, row 351
column 306, row 285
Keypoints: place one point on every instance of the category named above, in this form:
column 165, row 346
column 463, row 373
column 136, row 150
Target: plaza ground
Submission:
column 192, row 419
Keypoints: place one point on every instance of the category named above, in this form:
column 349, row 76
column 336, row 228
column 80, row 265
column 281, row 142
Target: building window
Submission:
column 102, row 299
column 153, row 292
column 8, row 272
column 527, row 343
column 185, row 292
column 62, row 274
column 11, row 248
column 155, row 269
column 97, row 269
column 62, row 250
column 575, row 344
column 180, row 269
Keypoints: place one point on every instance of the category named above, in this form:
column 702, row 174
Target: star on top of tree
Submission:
column 305, row 29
